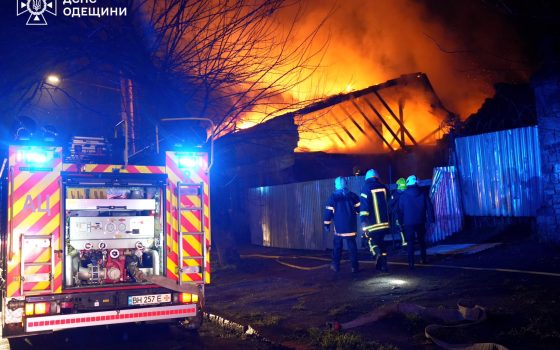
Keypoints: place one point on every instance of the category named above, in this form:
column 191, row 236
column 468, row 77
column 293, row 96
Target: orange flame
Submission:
column 374, row 41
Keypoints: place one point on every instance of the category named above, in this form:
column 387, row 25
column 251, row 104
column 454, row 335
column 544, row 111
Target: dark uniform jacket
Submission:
column 415, row 207
column 342, row 206
column 374, row 214
column 394, row 204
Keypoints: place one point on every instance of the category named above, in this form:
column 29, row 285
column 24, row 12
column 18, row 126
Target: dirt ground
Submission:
column 290, row 299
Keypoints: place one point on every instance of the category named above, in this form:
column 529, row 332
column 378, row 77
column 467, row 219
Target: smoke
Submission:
column 463, row 46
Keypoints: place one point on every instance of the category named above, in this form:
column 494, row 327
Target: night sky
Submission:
column 465, row 47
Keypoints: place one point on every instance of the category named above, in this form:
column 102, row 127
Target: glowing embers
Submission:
column 36, row 309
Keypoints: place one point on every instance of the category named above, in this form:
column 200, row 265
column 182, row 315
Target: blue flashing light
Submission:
column 35, row 157
column 189, row 161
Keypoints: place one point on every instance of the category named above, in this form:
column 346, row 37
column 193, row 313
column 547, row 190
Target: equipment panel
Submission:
column 111, row 232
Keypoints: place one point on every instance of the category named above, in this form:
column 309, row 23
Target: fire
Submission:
column 390, row 116
column 370, row 42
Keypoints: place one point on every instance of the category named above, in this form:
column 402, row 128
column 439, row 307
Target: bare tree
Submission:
column 215, row 58
column 232, row 55
column 221, row 59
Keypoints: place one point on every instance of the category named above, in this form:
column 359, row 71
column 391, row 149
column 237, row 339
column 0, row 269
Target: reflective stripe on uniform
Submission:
column 330, row 208
column 357, row 205
column 363, row 195
column 364, row 213
column 376, row 205
column 376, row 227
column 373, row 248
column 345, row 234
column 327, row 222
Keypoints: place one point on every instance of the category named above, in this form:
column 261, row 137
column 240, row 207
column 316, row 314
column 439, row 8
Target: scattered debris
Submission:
column 236, row 327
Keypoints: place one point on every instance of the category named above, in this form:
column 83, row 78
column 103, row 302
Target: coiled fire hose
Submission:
column 473, row 315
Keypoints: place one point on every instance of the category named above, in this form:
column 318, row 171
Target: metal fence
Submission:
column 500, row 173
column 445, row 196
column 291, row 216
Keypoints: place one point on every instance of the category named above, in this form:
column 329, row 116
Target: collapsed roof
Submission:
column 394, row 115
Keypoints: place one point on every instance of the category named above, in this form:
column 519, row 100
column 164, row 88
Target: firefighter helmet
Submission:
column 371, row 173
column 340, row 183
column 401, row 184
column 411, row 180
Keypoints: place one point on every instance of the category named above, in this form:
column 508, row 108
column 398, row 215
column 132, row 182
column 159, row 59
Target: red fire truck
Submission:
column 86, row 244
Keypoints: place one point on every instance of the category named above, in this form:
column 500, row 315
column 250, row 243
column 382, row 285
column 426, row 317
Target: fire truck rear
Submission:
column 88, row 244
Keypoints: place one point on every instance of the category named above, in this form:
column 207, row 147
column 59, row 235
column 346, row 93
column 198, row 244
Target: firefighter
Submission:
column 415, row 210
column 394, row 209
column 374, row 217
column 342, row 207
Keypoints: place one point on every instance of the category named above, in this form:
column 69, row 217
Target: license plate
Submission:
column 149, row 299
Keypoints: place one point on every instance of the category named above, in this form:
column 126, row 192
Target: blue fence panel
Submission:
column 445, row 196
column 500, row 173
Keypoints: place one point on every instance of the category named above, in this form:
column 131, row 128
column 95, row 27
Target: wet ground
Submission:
column 289, row 296
column 132, row 336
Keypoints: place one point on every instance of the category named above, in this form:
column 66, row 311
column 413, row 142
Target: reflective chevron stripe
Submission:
column 191, row 221
column 35, row 211
column 111, row 168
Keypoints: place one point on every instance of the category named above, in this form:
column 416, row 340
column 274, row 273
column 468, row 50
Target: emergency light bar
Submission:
column 189, row 161
column 34, row 156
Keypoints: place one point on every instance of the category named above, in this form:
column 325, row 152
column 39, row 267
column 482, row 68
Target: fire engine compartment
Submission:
column 113, row 231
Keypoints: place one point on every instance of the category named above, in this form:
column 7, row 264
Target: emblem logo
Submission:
column 36, row 10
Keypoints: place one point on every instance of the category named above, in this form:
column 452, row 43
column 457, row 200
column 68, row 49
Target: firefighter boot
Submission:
column 381, row 264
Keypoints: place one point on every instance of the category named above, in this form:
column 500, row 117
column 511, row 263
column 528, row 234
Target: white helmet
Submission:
column 371, row 173
column 411, row 180
column 340, row 183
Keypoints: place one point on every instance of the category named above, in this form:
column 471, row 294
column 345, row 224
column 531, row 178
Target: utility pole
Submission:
column 127, row 113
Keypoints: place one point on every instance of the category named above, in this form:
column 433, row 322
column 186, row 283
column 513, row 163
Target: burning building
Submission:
column 395, row 127
column 391, row 116
column 388, row 125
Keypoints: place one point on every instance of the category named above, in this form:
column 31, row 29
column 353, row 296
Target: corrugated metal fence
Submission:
column 500, row 173
column 445, row 196
column 290, row 216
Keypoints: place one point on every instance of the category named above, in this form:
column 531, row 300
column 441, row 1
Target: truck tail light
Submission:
column 66, row 305
column 186, row 298
column 29, row 308
column 42, row 308
column 32, row 309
